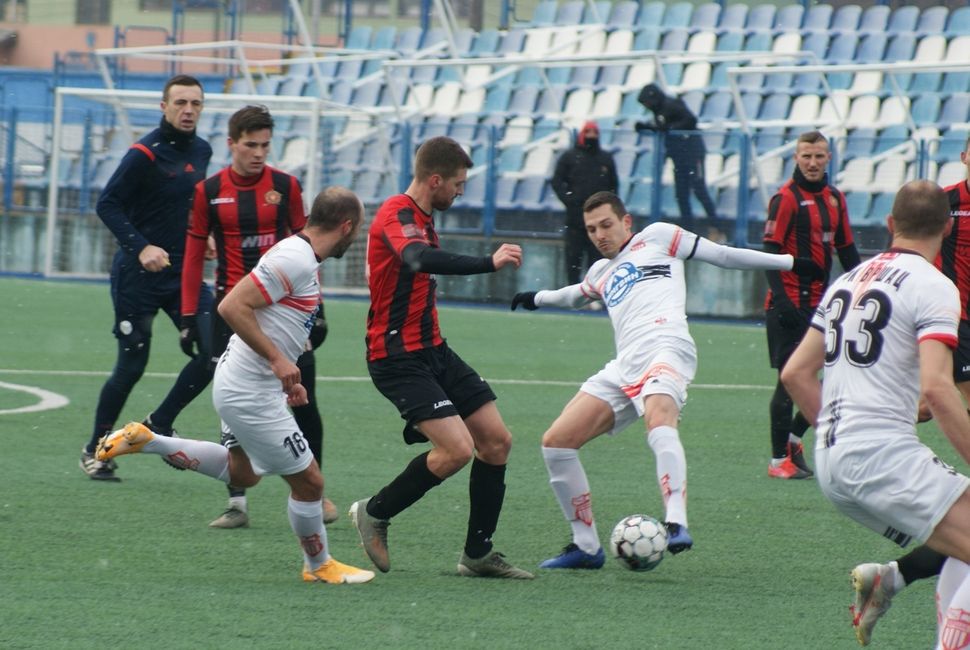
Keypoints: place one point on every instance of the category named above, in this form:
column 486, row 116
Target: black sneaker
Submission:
column 796, row 452
column 96, row 469
column 678, row 539
column 168, row 432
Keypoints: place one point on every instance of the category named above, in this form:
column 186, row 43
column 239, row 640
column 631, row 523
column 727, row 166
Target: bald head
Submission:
column 921, row 210
column 333, row 206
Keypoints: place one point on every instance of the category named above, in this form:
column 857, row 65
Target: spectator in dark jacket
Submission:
column 672, row 118
column 581, row 172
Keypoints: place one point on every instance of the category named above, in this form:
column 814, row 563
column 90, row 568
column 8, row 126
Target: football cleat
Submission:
column 336, row 573
column 796, row 452
column 128, row 440
column 573, row 557
column 373, row 534
column 493, row 565
column 97, row 470
column 873, row 586
column 233, row 517
column 167, row 433
column 787, row 470
column 330, row 512
column 678, row 539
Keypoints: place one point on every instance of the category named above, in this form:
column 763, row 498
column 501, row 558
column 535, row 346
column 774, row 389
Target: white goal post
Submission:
column 77, row 243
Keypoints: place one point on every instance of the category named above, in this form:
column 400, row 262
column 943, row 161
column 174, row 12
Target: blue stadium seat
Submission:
column 581, row 75
column 341, row 91
column 408, row 39
column 497, row 99
column 955, row 110
column 952, row 144
column 359, row 37
column 900, row 48
column 551, row 100
column 890, row 137
column 505, row 192
column 903, row 20
column 857, row 204
column 775, row 106
column 717, row 106
column 925, row 109
column 530, row 191
column 464, row 128
column 347, row 157
column 512, row 42
column 545, row 13
column 789, row 18
column 871, row 48
column 647, row 39
column 675, row 40
column 624, row 14
column 932, row 20
column 570, row 13
column 630, row 107
column 625, row 161
column 733, row 18
column 528, row 76
column 523, row 100
column 859, row 143
column 845, row 19
column 610, row 75
column 545, row 126
column 383, row 38
column 673, row 72
column 625, row 136
column 956, row 82
column 818, row 18
column 751, row 101
column 367, row 185
column 434, row 126
column 751, row 81
column 842, row 48
column 926, row 82
column 474, row 194
column 761, row 18
column 601, row 14
column 705, row 17
column 881, row 207
column 758, row 42
column 678, row 15
column 807, row 83
column 510, row 159
column 640, row 198
column 368, row 94
column 959, row 22
column 770, row 137
column 651, row 14
column 694, row 99
column 817, row 43
column 732, row 41
column 874, row 19
column 486, row 43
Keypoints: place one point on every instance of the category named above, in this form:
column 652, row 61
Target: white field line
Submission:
column 46, row 400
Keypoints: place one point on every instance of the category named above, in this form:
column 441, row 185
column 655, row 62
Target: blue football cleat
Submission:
column 573, row 557
column 678, row 539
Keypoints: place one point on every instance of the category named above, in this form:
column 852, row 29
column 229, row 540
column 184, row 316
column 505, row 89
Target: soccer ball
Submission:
column 639, row 542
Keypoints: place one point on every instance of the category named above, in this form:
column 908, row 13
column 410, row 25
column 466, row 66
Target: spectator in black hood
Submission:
column 581, row 172
column 672, row 118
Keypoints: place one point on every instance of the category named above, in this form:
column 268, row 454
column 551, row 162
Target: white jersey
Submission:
column 287, row 277
column 874, row 318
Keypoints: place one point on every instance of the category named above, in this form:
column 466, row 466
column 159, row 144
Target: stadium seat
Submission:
column 926, row 109
column 408, row 40
column 859, row 143
column 956, row 82
column 856, row 175
column 932, row 20
column 624, row 14
column 544, row 13
column 893, row 111
column 486, row 43
column 464, row 128
column 751, row 102
column 768, row 138
column 891, row 137
column 845, row 19
column 474, row 194
column 789, row 18
column 647, row 39
column 866, row 82
column 702, row 42
column 874, row 20
column 807, row 82
column 705, row 16
column 673, row 73
column 732, row 41
column 383, row 38
column 958, row 49
column 693, row 99
column 359, row 37
column 804, row 109
column 529, row 192
column 818, row 18
column 775, row 106
column 678, row 15
column 512, row 43
column 651, row 14
column 342, row 91
column 930, row 49
column 610, row 75
column 579, row 104
column 368, row 94
column 758, row 42
column 881, row 207
column 900, row 48
column 597, row 13
column 624, row 161
column 761, row 18
column 620, row 41
column 842, row 48
column 787, row 43
column 570, row 13
column 817, row 43
column 505, row 192
column 952, row 144
column 954, row 111
column 497, row 99
column 733, row 18
column 951, row 172
column 958, row 24
column 871, row 48
column 640, row 198
column 518, row 131
column 523, row 100
column 862, row 112
column 717, row 107
column 857, row 205
column 434, row 126
column 926, row 82
column 903, row 20
column 675, row 40
column 630, row 107
column 606, row 103
column 697, row 75
column 582, row 75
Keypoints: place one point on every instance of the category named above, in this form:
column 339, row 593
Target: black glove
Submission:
column 319, row 329
column 645, row 126
column 188, row 335
column 806, row 267
column 527, row 299
column 789, row 316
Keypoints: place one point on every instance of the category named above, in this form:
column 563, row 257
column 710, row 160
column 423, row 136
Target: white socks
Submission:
column 569, row 484
column 306, row 520
column 201, row 456
column 671, row 472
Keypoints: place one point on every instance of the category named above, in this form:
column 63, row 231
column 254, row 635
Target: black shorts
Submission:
column 429, row 384
column 961, row 356
column 782, row 341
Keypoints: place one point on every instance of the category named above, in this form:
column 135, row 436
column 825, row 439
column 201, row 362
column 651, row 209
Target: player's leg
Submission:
column 311, row 423
column 196, row 374
column 951, row 537
column 134, row 335
column 584, row 417
column 782, row 342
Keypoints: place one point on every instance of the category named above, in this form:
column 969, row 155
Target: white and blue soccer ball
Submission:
column 639, row 542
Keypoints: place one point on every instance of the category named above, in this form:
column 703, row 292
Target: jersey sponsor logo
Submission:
column 626, row 275
column 441, row 404
column 806, row 203
column 637, row 246
column 273, row 197
column 258, row 241
column 960, row 213
column 221, row 200
column 412, row 231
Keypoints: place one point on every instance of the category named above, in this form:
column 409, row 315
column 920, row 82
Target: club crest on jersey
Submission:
column 619, row 284
column 273, row 197
column 834, row 202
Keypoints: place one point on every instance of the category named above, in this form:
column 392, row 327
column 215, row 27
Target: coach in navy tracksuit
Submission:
column 146, row 204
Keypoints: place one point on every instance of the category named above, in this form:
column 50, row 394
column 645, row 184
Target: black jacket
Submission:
column 580, row 173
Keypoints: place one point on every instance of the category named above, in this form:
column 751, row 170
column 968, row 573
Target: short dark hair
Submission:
column 605, row 198
column 180, row 80
column 248, row 119
column 332, row 207
column 812, row 137
column 920, row 210
column 440, row 155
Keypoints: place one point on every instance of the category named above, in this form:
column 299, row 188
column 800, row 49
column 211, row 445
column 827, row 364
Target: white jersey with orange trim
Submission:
column 874, row 318
column 288, row 279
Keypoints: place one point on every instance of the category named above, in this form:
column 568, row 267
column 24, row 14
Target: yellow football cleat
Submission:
column 336, row 573
column 128, row 440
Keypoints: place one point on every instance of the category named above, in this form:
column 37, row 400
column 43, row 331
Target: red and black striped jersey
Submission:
column 954, row 259
column 807, row 224
column 246, row 217
column 403, row 316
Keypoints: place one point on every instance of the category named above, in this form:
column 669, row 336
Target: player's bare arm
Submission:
column 941, row 396
column 238, row 309
column 800, row 374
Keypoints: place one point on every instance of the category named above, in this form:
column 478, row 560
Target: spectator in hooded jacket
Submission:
column 581, row 172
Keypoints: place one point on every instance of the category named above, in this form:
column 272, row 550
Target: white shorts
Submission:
column 664, row 370
column 256, row 414
column 896, row 486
